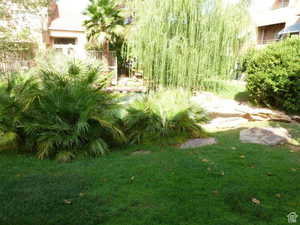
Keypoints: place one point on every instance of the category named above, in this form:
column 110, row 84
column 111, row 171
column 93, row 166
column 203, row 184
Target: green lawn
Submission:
column 212, row 185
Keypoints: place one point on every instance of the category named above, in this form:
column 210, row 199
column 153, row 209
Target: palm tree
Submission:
column 105, row 24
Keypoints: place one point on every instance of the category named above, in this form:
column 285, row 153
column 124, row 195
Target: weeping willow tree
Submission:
column 187, row 43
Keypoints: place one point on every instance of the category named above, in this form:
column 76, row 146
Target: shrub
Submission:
column 165, row 114
column 273, row 75
column 16, row 94
column 64, row 114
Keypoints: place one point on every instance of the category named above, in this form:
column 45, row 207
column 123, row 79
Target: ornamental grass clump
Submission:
column 187, row 43
column 60, row 114
column 164, row 115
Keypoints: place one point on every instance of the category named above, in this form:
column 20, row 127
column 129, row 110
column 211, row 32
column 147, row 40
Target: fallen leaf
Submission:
column 67, row 202
column 293, row 169
column 205, row 160
column 233, row 148
column 222, row 173
column 215, row 192
column 242, row 156
column 256, row 201
column 278, row 195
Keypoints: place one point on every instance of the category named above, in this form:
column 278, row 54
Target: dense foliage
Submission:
column 59, row 114
column 163, row 115
column 273, row 75
column 105, row 26
column 187, row 43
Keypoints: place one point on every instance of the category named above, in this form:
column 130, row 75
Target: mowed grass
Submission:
column 225, row 184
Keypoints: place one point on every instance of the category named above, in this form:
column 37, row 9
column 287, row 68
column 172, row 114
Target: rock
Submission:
column 141, row 152
column 296, row 118
column 198, row 142
column 221, row 107
column 281, row 117
column 225, row 123
column 256, row 117
column 266, row 136
column 216, row 106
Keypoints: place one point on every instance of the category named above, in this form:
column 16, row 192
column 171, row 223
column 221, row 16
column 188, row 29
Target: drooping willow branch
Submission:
column 187, row 43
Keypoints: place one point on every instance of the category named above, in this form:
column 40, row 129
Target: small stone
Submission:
column 199, row 142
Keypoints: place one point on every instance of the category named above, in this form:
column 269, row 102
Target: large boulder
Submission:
column 217, row 107
column 225, row 123
column 266, row 136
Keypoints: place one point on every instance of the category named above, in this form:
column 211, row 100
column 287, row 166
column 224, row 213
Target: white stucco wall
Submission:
column 69, row 24
column 263, row 14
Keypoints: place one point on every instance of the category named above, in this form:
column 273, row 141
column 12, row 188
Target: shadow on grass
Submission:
column 242, row 96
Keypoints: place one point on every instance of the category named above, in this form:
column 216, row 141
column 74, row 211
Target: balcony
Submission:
column 267, row 42
column 269, row 34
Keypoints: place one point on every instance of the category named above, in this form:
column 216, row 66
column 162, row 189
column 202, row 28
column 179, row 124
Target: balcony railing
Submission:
column 266, row 42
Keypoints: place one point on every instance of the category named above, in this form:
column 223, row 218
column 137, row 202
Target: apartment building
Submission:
column 66, row 33
column 59, row 26
column 275, row 19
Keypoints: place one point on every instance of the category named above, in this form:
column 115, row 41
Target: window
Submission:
column 280, row 4
column 64, row 41
column 284, row 3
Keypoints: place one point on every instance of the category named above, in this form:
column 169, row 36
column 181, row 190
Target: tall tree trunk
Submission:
column 106, row 55
column 109, row 63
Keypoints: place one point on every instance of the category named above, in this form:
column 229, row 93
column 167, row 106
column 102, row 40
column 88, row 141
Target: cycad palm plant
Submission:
column 62, row 115
column 167, row 115
column 105, row 24
column 73, row 115
column 16, row 95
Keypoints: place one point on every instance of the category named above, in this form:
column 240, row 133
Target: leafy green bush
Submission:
column 165, row 114
column 61, row 114
column 273, row 75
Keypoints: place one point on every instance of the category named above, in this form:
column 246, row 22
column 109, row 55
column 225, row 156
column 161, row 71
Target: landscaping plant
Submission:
column 187, row 43
column 16, row 95
column 65, row 114
column 273, row 75
column 166, row 114
column 105, row 25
